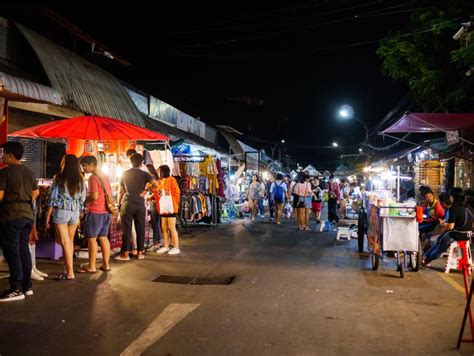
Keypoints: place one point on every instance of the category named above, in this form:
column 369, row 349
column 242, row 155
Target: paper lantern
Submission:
column 110, row 147
column 75, row 147
column 125, row 145
column 90, row 148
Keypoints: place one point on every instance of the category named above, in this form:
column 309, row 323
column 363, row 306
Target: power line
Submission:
column 308, row 51
column 225, row 29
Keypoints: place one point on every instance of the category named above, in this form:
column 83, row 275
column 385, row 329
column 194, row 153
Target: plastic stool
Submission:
column 343, row 232
column 459, row 256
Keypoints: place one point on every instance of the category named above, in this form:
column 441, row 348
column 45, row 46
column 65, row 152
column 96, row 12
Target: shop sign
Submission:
column 452, row 137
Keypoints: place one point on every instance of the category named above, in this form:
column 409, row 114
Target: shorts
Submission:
column 307, row 202
column 61, row 217
column 295, row 201
column 96, row 225
column 168, row 216
column 316, row 205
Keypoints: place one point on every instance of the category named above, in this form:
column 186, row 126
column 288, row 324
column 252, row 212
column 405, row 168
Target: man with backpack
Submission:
column 278, row 192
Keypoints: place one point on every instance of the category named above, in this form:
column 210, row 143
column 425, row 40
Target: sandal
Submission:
column 105, row 269
column 63, row 277
column 86, row 270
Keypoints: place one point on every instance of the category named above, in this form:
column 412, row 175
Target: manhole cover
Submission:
column 195, row 280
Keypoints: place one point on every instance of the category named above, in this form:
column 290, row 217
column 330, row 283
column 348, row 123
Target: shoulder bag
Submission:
column 109, row 204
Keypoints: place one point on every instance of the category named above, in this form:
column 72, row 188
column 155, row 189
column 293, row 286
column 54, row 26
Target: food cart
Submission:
column 394, row 228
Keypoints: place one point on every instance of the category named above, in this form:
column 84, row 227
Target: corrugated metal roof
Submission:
column 29, row 90
column 234, row 144
column 83, row 85
column 161, row 127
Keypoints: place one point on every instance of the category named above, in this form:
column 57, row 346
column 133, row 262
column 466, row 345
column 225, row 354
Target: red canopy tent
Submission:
column 115, row 135
column 90, row 128
column 432, row 122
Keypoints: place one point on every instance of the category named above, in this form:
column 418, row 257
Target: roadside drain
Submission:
column 195, row 280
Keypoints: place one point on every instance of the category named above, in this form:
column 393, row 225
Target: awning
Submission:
column 19, row 89
column 83, row 85
column 432, row 122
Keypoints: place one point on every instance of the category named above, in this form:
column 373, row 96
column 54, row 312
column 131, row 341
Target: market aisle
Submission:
column 294, row 293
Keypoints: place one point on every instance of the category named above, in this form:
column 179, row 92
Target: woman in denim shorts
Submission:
column 67, row 197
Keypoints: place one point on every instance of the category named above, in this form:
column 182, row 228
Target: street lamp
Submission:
column 334, row 144
column 274, row 146
column 347, row 112
column 360, row 150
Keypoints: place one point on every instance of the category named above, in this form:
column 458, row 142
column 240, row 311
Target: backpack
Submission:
column 279, row 193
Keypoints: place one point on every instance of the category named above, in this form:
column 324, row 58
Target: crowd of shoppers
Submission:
column 448, row 217
column 70, row 196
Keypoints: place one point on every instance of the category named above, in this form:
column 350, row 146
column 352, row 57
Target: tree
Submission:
column 426, row 57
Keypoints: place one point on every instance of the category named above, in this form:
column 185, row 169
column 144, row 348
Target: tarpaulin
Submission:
column 432, row 122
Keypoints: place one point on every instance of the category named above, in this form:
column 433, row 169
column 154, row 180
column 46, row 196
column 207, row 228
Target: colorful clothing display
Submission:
column 195, row 207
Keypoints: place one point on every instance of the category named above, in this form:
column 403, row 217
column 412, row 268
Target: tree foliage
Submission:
column 426, row 57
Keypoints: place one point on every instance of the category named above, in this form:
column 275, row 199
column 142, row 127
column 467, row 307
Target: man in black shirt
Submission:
column 18, row 189
column 132, row 206
column 459, row 227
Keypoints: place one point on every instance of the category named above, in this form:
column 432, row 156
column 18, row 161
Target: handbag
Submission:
column 166, row 203
column 109, row 204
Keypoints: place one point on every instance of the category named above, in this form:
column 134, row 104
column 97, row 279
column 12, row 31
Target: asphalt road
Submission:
column 294, row 293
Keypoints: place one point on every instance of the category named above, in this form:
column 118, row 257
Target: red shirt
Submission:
column 98, row 206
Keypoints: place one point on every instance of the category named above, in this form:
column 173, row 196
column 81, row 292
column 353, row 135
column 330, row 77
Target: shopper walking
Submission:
column 269, row 198
column 18, row 189
column 317, row 200
column 168, row 194
column 97, row 219
column 307, row 202
column 67, row 197
column 132, row 206
column 301, row 191
column 278, row 192
column 253, row 194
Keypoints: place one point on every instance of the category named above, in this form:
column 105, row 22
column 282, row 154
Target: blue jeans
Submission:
column 439, row 247
column 427, row 227
column 156, row 225
column 261, row 209
column 14, row 239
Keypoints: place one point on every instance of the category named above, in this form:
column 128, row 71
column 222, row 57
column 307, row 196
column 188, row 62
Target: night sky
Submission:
column 303, row 59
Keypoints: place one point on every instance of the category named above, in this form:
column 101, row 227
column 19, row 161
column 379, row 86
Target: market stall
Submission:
column 107, row 139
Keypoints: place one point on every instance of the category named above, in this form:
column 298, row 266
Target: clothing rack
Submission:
column 213, row 197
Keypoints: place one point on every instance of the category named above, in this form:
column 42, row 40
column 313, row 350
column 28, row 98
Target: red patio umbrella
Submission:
column 90, row 128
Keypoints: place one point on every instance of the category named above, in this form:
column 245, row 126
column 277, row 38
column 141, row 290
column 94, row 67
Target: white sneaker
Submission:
column 38, row 272
column 174, row 251
column 162, row 250
column 36, row 277
column 29, row 292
